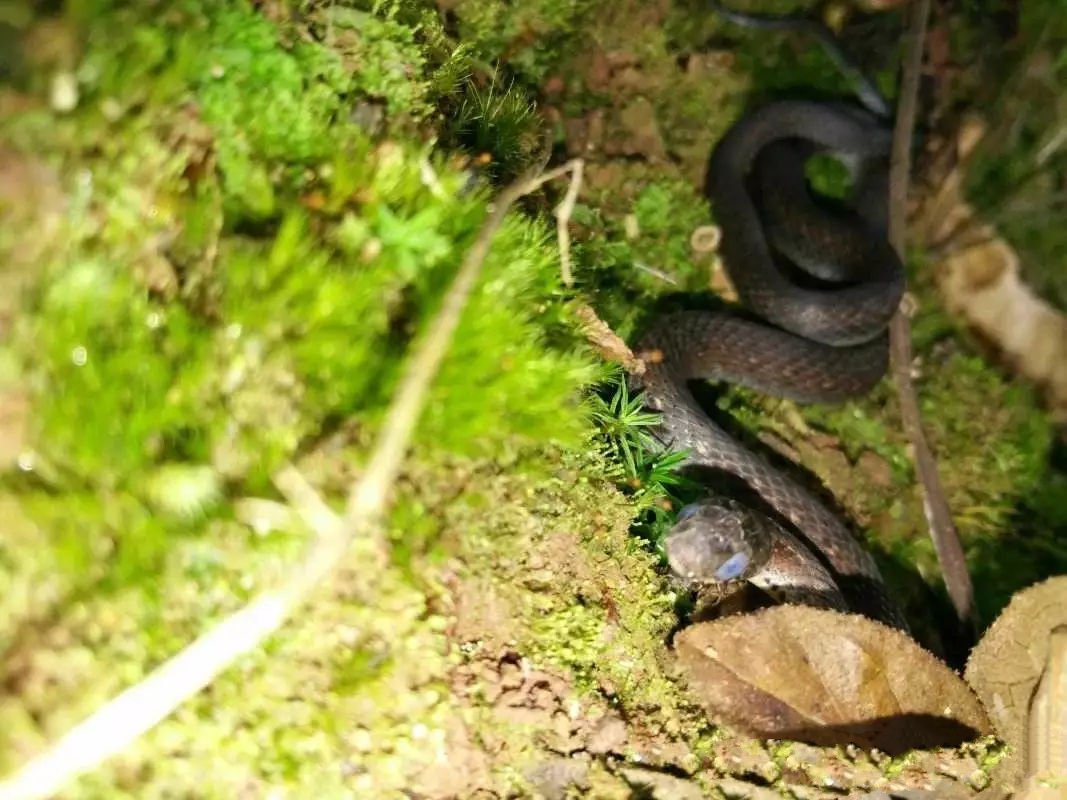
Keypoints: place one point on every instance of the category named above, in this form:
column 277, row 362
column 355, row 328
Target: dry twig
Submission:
column 563, row 216
column 598, row 333
column 942, row 529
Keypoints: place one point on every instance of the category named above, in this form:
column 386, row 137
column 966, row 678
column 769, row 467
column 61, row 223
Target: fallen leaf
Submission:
column 1046, row 740
column 819, row 676
column 606, row 341
column 1006, row 665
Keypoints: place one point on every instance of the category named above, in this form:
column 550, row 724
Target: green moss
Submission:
column 568, row 638
column 245, row 270
column 381, row 53
column 106, row 357
column 500, row 122
column 275, row 100
column 183, row 491
column 862, row 426
column 828, row 176
column 530, row 37
column 244, row 385
column 625, row 272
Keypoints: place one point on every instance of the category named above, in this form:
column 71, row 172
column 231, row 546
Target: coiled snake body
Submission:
column 823, row 340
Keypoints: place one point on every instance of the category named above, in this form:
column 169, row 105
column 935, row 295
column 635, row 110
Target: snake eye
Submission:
column 732, row 567
column 687, row 512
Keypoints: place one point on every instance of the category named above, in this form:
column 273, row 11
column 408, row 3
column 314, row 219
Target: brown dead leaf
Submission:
column 819, row 676
column 608, row 343
column 1007, row 663
column 1046, row 740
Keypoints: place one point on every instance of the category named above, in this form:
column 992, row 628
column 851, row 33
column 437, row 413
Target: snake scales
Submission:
column 824, row 285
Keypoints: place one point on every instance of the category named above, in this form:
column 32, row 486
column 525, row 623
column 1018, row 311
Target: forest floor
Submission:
column 225, row 223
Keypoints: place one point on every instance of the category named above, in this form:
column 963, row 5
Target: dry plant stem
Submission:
column 563, row 216
column 942, row 529
column 598, row 333
column 606, row 342
column 138, row 709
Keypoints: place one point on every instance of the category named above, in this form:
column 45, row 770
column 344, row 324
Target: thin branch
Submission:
column 939, row 518
column 138, row 709
column 598, row 333
column 563, row 217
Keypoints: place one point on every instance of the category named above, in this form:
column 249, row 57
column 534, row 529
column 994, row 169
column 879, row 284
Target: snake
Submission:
column 818, row 286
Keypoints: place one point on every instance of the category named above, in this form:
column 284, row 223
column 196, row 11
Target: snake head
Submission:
column 716, row 541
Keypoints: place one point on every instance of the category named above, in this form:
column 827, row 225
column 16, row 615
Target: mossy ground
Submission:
column 223, row 252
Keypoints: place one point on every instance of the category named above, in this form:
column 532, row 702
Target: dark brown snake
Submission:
column 822, row 339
